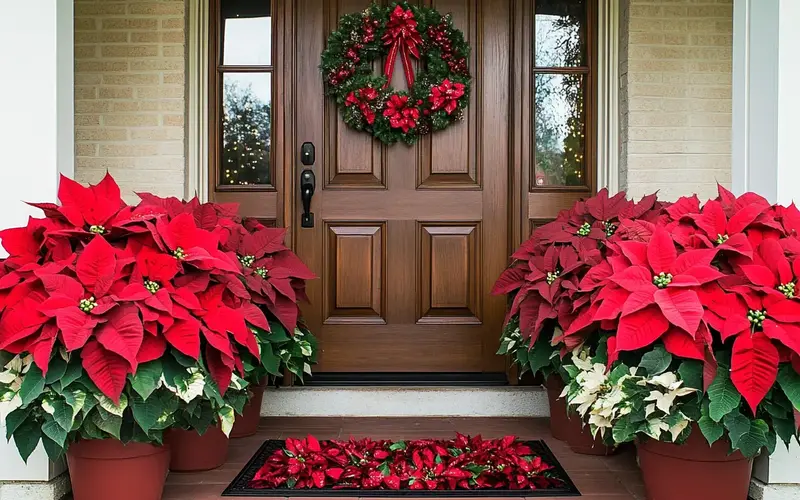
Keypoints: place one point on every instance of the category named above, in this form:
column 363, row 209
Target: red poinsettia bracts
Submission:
column 695, row 278
column 462, row 463
column 118, row 285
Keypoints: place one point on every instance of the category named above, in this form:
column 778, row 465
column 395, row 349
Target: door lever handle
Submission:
column 307, row 186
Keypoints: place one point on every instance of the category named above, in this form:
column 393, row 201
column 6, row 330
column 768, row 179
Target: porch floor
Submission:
column 598, row 478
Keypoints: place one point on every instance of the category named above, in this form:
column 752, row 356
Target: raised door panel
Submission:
column 355, row 262
column 449, row 262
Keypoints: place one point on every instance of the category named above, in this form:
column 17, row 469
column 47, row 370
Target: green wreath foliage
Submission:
column 350, row 57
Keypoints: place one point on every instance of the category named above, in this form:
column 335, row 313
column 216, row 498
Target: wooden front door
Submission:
column 407, row 241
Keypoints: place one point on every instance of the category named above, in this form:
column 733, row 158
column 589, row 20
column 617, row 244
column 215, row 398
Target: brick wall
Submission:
column 129, row 94
column 675, row 96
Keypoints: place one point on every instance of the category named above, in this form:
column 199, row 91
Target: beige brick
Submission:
column 99, row 67
column 100, row 37
column 129, row 24
column 130, row 51
column 130, row 149
column 173, row 50
column 156, row 8
column 85, row 149
column 99, row 9
column 131, row 120
column 173, row 78
column 173, row 120
column 90, row 107
column 157, row 65
column 158, row 134
column 107, row 134
column 162, row 91
column 116, row 93
column 173, row 23
column 83, row 92
column 131, row 79
column 85, row 24
column 86, row 51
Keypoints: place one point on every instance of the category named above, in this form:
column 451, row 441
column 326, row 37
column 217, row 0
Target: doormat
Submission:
column 460, row 467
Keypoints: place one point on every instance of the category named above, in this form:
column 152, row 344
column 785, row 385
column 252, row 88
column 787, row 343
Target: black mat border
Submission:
column 239, row 486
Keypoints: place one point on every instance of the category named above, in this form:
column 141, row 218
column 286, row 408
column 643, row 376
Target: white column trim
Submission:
column 608, row 95
column 197, row 102
column 740, row 140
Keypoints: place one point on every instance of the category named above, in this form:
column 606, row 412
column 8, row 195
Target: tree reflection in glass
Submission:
column 560, row 86
column 245, row 132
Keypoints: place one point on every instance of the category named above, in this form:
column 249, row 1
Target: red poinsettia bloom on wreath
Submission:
column 363, row 100
column 446, row 96
column 400, row 113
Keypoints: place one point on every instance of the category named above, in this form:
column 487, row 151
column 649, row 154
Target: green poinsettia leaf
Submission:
column 27, row 437
column 146, row 412
column 539, row 356
column 691, row 372
column 56, row 370
column 784, row 428
column 15, row 419
column 269, row 360
column 789, row 380
column 54, row 431
column 107, row 422
column 723, row 396
column 737, row 425
column 656, row 362
column 32, row 385
column 73, row 372
column 754, row 439
column 711, row 430
column 147, row 378
column 54, row 450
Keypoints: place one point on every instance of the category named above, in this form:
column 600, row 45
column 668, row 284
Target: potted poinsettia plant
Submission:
column 702, row 357
column 274, row 278
column 107, row 313
column 550, row 284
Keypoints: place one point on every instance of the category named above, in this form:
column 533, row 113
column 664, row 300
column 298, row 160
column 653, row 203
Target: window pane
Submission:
column 560, row 127
column 247, row 32
column 560, row 28
column 246, row 129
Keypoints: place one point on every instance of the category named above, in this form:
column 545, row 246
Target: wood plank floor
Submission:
column 598, row 478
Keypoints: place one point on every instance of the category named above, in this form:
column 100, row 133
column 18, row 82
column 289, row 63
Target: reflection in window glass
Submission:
column 247, row 33
column 246, row 129
column 560, row 128
column 560, row 26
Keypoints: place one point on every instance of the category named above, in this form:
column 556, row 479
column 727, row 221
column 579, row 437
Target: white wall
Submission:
column 36, row 140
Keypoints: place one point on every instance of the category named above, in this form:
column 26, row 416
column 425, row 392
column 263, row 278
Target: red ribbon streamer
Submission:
column 402, row 35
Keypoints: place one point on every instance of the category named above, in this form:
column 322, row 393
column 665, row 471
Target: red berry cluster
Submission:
column 439, row 37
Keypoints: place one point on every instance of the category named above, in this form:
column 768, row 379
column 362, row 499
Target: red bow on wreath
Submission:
column 402, row 35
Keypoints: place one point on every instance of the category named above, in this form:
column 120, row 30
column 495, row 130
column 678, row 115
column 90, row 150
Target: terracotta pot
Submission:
column 693, row 470
column 580, row 440
column 558, row 407
column 246, row 424
column 103, row 469
column 192, row 452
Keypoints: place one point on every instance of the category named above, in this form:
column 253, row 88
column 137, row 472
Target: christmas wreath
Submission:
column 437, row 94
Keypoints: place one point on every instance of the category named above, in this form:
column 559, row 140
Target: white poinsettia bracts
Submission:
column 607, row 400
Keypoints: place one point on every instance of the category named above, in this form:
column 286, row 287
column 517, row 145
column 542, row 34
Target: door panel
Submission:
column 407, row 240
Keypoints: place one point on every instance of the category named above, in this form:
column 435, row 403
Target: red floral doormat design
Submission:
column 425, row 467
